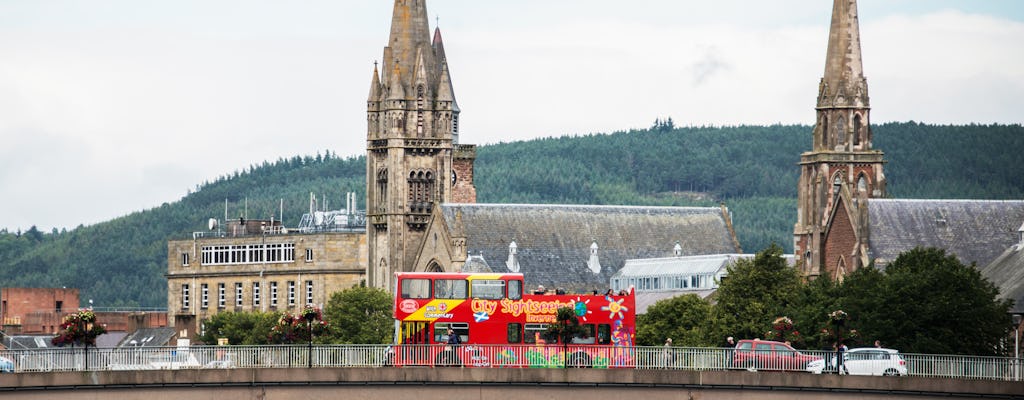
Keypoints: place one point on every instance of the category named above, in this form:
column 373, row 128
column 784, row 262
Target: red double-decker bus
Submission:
column 500, row 324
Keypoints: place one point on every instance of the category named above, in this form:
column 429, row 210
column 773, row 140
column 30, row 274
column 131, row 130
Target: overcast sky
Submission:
column 113, row 106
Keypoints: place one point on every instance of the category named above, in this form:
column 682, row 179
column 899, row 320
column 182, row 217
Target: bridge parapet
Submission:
column 484, row 383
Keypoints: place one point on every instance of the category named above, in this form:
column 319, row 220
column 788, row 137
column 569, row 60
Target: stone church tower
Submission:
column 413, row 159
column 842, row 171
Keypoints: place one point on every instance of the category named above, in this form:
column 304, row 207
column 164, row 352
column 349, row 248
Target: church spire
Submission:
column 410, row 33
column 414, row 161
column 843, row 66
column 842, row 171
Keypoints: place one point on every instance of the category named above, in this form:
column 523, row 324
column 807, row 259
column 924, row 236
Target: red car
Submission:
column 769, row 355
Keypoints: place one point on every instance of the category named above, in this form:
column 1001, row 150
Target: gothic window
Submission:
column 434, row 267
column 862, row 183
column 841, row 131
column 382, row 187
column 824, row 131
column 856, row 130
column 421, row 189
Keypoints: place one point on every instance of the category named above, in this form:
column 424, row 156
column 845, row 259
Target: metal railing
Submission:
column 499, row 356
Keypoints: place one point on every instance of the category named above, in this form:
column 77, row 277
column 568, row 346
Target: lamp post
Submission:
column 1016, row 346
column 309, row 325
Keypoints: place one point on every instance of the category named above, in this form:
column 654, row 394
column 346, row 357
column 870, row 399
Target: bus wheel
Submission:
column 447, row 358
column 578, row 360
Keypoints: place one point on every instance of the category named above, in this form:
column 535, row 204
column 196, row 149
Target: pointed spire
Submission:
column 410, row 32
column 375, row 84
column 844, row 70
column 439, row 45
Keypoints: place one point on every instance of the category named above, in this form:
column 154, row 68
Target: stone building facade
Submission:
column 414, row 160
column 249, row 267
column 842, row 171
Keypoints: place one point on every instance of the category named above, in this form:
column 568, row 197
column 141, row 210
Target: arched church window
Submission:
column 862, row 183
column 840, row 134
column 824, row 131
column 856, row 130
column 382, row 187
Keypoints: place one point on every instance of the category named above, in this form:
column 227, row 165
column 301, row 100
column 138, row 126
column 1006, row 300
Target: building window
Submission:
column 221, row 296
column 248, row 254
column 238, row 294
column 206, row 296
column 184, row 296
column 184, row 259
column 291, row 293
column 273, row 294
column 309, row 255
column 255, row 294
column 309, row 292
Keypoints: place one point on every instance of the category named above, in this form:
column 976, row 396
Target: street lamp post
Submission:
column 309, row 325
column 1016, row 346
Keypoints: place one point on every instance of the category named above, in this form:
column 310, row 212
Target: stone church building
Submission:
column 421, row 211
column 844, row 222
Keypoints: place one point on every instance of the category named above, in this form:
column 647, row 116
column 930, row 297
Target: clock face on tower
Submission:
column 454, row 177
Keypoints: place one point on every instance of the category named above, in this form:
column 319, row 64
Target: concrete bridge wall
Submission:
column 484, row 384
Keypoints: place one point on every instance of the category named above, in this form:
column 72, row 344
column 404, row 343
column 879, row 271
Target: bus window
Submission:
column 441, row 331
column 604, row 334
column 416, row 289
column 585, row 337
column 450, row 289
column 515, row 290
column 488, row 289
column 515, row 334
column 535, row 331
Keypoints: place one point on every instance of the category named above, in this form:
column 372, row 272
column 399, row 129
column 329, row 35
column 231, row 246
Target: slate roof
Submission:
column 974, row 230
column 554, row 241
column 1007, row 273
column 29, row 342
column 149, row 337
column 648, row 299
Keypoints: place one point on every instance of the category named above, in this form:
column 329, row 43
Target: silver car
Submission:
column 865, row 361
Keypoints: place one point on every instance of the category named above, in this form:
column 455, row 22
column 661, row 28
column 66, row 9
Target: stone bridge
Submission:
column 484, row 383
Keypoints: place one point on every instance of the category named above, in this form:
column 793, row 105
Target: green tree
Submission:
column 754, row 293
column 361, row 315
column 810, row 307
column 930, row 302
column 684, row 318
column 240, row 328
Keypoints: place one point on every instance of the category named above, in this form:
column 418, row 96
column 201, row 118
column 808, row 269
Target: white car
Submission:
column 864, row 361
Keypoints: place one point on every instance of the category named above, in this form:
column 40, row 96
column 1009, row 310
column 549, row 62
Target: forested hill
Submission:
column 753, row 169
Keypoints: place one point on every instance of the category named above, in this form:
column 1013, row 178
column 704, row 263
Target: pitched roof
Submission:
column 553, row 242
column 974, row 230
column 689, row 265
column 1007, row 273
column 148, row 337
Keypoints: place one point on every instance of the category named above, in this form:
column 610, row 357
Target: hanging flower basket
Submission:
column 78, row 328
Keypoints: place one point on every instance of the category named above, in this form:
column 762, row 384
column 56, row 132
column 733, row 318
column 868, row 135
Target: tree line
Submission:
column 752, row 169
